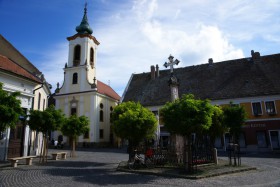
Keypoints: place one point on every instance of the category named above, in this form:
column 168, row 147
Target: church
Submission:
column 82, row 93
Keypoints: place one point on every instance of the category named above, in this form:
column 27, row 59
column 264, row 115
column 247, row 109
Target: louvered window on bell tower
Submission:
column 77, row 55
column 75, row 78
column 91, row 57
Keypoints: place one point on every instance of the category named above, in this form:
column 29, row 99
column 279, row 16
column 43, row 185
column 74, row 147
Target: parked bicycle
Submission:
column 139, row 161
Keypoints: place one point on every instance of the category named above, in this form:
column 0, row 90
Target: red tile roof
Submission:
column 11, row 67
column 107, row 90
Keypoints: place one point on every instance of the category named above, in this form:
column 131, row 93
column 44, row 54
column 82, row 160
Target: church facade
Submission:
column 81, row 93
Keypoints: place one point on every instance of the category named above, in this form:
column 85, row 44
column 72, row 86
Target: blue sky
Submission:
column 137, row 34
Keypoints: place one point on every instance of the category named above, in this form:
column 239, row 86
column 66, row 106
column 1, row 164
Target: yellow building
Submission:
column 81, row 93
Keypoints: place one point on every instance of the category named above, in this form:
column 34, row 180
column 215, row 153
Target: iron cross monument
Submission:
column 173, row 81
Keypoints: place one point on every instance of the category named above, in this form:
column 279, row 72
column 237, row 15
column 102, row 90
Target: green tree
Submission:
column 133, row 122
column 46, row 121
column 185, row 116
column 10, row 109
column 234, row 118
column 218, row 127
column 73, row 128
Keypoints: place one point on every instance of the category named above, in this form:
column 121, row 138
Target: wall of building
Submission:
column 88, row 104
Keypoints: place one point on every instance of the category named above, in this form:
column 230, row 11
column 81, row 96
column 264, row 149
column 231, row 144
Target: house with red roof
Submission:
column 18, row 74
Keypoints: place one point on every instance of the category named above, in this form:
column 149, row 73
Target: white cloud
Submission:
column 132, row 39
column 53, row 62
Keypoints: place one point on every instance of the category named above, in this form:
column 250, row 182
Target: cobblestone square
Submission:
column 97, row 167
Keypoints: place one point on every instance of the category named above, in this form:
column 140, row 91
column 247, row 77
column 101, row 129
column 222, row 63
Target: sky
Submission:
column 135, row 34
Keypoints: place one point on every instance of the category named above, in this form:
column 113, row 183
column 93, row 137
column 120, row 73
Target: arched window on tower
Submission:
column 91, row 57
column 77, row 55
column 75, row 78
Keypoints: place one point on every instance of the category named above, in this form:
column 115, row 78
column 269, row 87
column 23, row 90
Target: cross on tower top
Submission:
column 171, row 63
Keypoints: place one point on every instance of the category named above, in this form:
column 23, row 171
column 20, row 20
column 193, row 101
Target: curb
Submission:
column 185, row 176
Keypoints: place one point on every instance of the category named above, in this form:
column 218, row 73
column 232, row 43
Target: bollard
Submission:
column 215, row 156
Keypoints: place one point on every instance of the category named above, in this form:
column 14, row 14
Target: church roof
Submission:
column 105, row 89
column 246, row 77
column 11, row 67
column 84, row 27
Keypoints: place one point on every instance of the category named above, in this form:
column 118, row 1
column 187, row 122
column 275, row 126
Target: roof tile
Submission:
column 221, row 80
column 11, row 67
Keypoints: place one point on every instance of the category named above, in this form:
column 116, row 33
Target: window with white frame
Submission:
column 257, row 108
column 270, row 107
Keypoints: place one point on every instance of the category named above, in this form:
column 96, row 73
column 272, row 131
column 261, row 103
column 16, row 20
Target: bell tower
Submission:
column 80, row 70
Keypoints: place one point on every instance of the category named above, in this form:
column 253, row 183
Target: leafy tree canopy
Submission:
column 47, row 120
column 218, row 128
column 133, row 122
column 234, row 118
column 75, row 126
column 187, row 115
column 10, row 109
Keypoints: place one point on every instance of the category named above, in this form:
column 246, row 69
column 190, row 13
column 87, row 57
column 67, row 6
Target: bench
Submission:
column 14, row 161
column 61, row 155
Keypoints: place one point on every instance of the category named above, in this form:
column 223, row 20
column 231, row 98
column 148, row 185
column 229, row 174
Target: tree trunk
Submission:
column 41, row 152
column 185, row 157
column 73, row 147
column 45, row 149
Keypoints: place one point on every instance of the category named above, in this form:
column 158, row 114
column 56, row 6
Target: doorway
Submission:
column 274, row 139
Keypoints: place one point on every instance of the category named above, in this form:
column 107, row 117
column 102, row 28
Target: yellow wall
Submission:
column 250, row 115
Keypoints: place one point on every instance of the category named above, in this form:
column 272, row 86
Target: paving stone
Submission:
column 97, row 167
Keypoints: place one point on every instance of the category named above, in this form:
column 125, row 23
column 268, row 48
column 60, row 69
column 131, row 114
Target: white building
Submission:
column 19, row 75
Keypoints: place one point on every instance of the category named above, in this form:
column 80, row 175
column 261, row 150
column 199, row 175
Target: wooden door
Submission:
column 15, row 148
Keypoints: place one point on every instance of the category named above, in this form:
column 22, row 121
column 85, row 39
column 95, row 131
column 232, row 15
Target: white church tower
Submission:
column 81, row 93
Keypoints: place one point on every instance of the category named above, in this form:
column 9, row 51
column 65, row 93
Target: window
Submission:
column 77, row 55
column 270, row 107
column 101, row 115
column 91, row 57
column 75, row 78
column 44, row 104
column 257, row 109
column 101, row 133
column 111, row 114
column 39, row 101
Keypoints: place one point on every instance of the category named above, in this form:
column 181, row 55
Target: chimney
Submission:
column 255, row 56
column 152, row 72
column 210, row 61
column 157, row 71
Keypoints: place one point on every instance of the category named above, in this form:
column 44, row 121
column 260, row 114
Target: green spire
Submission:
column 84, row 27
